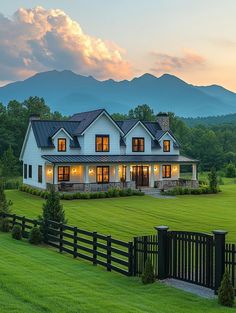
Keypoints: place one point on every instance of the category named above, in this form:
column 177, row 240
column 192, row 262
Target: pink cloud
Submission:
column 39, row 39
column 169, row 63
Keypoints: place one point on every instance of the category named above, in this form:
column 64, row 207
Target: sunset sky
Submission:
column 195, row 40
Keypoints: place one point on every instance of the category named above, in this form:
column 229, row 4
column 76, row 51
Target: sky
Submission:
column 194, row 40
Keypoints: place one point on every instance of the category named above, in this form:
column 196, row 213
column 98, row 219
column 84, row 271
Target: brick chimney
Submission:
column 164, row 121
column 34, row 117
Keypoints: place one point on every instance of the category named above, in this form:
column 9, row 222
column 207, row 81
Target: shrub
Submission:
column 4, row 225
column 148, row 276
column 230, row 170
column 213, row 183
column 226, row 291
column 35, row 236
column 16, row 232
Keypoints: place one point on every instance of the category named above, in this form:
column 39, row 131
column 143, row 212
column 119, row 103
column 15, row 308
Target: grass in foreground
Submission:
column 38, row 280
column 124, row 218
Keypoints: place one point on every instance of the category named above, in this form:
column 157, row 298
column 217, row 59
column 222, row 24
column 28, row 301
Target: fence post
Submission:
column 94, row 248
column 131, row 258
column 162, row 251
column 219, row 236
column 61, row 237
column 45, row 230
column 13, row 220
column 135, row 246
column 109, row 253
column 23, row 226
column 75, row 242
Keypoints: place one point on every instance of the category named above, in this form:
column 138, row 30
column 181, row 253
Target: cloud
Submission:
column 169, row 63
column 38, row 39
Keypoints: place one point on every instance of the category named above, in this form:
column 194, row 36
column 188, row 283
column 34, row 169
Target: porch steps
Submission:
column 151, row 191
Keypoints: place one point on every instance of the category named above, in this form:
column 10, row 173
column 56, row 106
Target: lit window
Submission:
column 61, row 145
column 166, row 145
column 137, row 144
column 166, row 171
column 63, row 173
column 102, row 174
column 102, row 143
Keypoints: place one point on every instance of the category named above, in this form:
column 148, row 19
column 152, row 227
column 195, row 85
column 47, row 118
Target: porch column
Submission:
column 86, row 174
column 152, row 176
column 160, row 172
column 117, row 178
column 128, row 178
column 194, row 171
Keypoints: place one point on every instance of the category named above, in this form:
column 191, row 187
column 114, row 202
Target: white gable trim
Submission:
column 110, row 119
column 169, row 135
column 62, row 129
column 25, row 141
column 140, row 123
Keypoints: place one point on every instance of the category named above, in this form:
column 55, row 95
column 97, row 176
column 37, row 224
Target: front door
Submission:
column 140, row 174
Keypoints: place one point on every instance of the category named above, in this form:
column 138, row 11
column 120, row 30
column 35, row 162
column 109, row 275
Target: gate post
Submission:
column 162, row 251
column 219, row 236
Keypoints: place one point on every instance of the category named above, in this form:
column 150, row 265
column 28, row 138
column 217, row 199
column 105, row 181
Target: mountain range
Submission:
column 67, row 92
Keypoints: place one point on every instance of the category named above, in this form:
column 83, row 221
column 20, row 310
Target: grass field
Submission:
column 40, row 280
column 124, row 218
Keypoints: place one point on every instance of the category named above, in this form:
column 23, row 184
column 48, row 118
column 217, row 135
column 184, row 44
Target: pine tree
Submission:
column 148, row 276
column 4, row 203
column 213, row 180
column 53, row 209
column 226, row 291
column 10, row 165
column 4, row 208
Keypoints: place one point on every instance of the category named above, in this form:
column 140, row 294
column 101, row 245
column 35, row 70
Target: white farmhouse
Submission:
column 92, row 152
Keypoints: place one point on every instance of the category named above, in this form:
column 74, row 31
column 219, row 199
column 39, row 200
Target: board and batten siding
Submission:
column 173, row 151
column 32, row 156
column 102, row 126
column 139, row 131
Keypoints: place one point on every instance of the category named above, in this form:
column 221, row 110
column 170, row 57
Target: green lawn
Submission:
column 124, row 218
column 40, row 280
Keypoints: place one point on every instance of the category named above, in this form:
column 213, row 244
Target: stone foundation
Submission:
column 168, row 184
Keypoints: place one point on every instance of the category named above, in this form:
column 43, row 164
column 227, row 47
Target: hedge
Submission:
column 203, row 190
column 111, row 193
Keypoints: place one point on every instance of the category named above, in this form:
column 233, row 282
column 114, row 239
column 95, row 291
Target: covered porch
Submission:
column 102, row 175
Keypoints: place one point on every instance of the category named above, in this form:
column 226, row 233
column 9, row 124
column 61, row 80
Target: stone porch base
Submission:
column 168, row 184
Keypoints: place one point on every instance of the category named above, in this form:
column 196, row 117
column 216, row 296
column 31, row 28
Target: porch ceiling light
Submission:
column 90, row 171
column 175, row 168
column 49, row 171
column 74, row 170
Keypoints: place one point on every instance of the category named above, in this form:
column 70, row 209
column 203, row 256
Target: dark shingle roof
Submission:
column 44, row 130
column 117, row 158
column 85, row 119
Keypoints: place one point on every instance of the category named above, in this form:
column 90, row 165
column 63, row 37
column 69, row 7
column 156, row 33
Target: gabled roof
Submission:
column 45, row 130
column 86, row 119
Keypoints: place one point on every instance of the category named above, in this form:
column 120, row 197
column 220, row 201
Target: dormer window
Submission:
column 138, row 144
column 166, row 146
column 61, row 145
column 102, row 143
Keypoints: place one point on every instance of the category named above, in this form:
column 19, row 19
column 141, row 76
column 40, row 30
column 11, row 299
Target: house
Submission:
column 91, row 152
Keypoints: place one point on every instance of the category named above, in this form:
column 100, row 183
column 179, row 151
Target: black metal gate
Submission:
column 191, row 257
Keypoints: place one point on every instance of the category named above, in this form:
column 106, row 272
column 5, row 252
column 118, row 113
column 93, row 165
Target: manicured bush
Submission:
column 16, row 232
column 148, row 276
column 226, row 291
column 35, row 236
column 4, row 225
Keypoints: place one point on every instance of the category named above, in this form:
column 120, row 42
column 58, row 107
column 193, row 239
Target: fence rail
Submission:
column 194, row 257
column 113, row 254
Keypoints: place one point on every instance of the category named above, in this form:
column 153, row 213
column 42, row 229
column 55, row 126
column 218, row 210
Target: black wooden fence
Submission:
column 197, row 258
column 111, row 253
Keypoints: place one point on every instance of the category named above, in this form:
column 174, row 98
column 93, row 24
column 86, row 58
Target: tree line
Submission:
column 213, row 145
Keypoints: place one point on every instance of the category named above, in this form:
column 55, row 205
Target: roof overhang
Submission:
column 104, row 112
column 81, row 159
column 59, row 130
column 135, row 125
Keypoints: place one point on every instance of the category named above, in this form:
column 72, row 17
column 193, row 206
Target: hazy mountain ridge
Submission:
column 68, row 93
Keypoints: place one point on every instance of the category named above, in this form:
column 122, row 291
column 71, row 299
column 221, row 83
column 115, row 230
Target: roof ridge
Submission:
column 102, row 109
